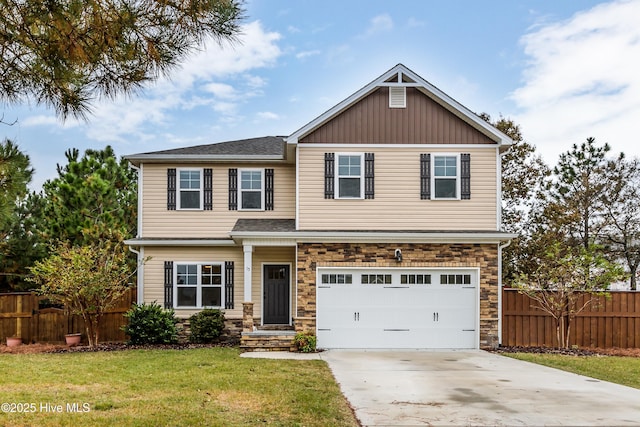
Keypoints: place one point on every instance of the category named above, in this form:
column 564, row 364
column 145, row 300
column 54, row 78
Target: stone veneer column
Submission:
column 247, row 317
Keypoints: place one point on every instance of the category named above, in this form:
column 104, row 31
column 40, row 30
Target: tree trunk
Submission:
column 633, row 280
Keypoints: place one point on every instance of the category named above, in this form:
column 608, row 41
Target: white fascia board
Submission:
column 378, row 237
column 200, row 158
column 180, row 242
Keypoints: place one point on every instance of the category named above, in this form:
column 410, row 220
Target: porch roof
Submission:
column 264, row 229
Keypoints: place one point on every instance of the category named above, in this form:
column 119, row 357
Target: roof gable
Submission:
column 463, row 126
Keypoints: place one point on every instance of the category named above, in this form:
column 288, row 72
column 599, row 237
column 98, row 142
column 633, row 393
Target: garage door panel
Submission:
column 440, row 314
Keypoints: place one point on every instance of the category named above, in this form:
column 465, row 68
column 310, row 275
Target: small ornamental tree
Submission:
column 568, row 280
column 88, row 280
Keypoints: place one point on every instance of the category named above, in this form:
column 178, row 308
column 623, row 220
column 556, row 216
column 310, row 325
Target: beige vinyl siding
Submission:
column 154, row 272
column 397, row 204
column 157, row 221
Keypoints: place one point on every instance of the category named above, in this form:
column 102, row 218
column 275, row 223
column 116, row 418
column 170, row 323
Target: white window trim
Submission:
column 433, row 175
column 198, row 287
column 179, row 190
column 240, row 190
column 337, row 176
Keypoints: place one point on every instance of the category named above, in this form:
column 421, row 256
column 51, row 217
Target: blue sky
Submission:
column 563, row 70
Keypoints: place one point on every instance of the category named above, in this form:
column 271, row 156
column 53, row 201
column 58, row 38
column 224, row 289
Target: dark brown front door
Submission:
column 276, row 294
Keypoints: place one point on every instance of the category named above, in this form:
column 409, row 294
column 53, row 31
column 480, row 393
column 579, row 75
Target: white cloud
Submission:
column 220, row 90
column 378, row 24
column 582, row 80
column 307, row 53
column 268, row 115
column 220, row 71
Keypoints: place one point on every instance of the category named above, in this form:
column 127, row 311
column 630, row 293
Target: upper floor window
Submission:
column 446, row 177
column 251, row 189
column 350, row 176
column 190, row 189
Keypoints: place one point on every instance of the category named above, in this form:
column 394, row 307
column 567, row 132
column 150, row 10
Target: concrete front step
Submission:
column 267, row 341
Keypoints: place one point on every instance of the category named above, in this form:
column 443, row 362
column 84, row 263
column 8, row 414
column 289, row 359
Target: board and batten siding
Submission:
column 154, row 272
column 397, row 204
column 157, row 221
column 371, row 121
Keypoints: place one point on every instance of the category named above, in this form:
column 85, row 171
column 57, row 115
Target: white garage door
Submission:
column 397, row 308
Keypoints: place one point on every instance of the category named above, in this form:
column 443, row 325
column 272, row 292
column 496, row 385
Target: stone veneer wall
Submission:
column 314, row 255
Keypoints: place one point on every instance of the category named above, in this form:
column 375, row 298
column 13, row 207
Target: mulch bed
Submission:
column 53, row 348
column 625, row 352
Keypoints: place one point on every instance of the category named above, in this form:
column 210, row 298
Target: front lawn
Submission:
column 621, row 370
column 208, row 386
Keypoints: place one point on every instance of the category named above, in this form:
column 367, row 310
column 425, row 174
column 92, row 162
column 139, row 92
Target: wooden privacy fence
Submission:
column 606, row 323
column 21, row 316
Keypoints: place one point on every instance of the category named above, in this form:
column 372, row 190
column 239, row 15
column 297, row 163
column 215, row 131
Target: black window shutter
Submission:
column 168, row 284
column 465, row 176
column 268, row 189
column 228, row 284
column 425, row 176
column 233, row 189
column 171, row 189
column 369, row 185
column 208, row 189
column 329, row 182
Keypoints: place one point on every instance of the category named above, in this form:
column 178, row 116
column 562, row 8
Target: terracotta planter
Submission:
column 72, row 340
column 14, row 341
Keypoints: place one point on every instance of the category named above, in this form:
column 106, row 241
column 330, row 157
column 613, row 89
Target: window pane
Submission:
column 251, row 180
column 349, row 165
column 189, row 179
column 189, row 199
column 251, row 200
column 211, row 297
column 349, row 187
column 445, row 166
column 445, row 188
column 186, row 297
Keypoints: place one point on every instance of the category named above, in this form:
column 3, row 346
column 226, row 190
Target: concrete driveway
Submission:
column 389, row 388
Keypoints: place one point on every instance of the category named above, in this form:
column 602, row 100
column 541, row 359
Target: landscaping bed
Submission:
column 623, row 352
column 61, row 348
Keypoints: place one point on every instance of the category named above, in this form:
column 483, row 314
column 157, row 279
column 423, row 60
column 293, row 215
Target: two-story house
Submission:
column 375, row 225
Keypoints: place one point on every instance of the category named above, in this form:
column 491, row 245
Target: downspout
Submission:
column 500, row 248
column 140, row 274
column 140, row 253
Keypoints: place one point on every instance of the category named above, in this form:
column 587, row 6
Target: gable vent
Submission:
column 397, row 97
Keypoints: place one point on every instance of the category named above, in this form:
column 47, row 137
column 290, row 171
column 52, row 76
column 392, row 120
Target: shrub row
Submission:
column 152, row 324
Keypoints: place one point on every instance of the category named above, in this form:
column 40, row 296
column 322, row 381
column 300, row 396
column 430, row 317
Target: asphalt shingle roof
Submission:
column 262, row 146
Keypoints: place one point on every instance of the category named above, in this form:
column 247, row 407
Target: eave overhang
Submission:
column 178, row 242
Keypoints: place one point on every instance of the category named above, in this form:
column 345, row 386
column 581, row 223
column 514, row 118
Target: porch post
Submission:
column 248, row 262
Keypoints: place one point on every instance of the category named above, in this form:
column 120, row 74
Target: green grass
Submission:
column 211, row 386
column 620, row 370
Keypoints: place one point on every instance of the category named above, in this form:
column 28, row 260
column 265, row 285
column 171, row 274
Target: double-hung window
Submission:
column 199, row 285
column 190, row 189
column 251, row 189
column 446, row 177
column 350, row 176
